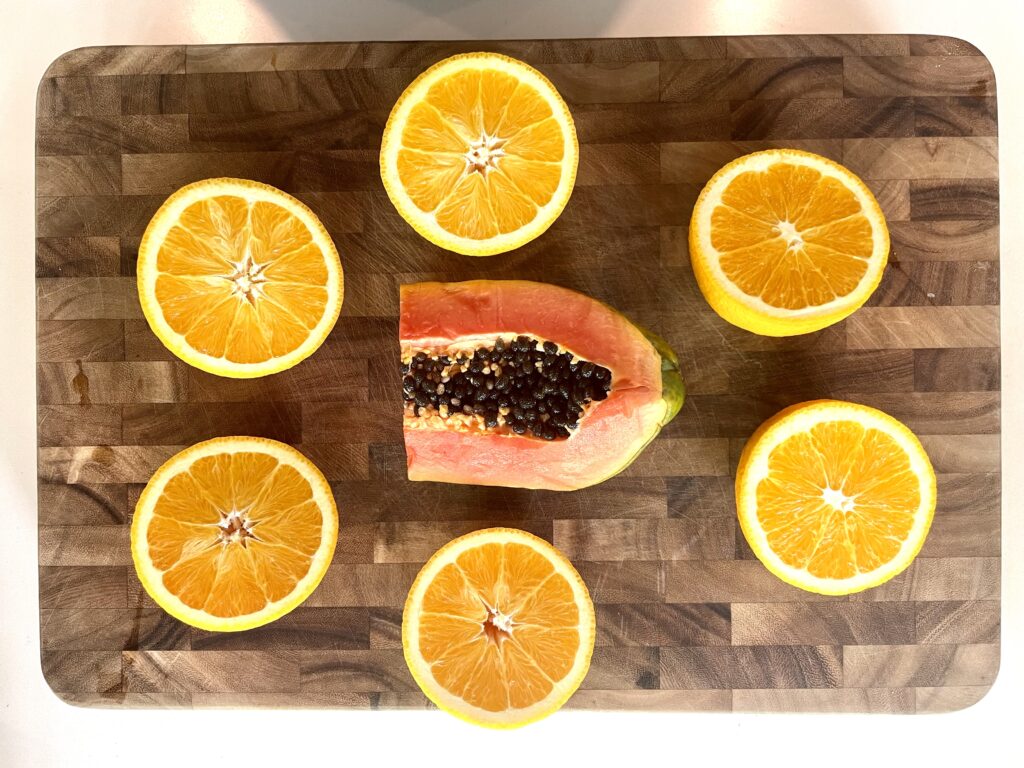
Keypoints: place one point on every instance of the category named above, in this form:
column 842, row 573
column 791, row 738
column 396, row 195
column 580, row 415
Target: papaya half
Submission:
column 528, row 385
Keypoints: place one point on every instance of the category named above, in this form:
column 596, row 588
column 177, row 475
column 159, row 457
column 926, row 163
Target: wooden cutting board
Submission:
column 687, row 619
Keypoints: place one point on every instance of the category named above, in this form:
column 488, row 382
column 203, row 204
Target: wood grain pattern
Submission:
column 911, row 666
column 765, row 666
column 687, row 618
column 948, row 698
column 82, row 587
column 883, row 700
column 812, row 623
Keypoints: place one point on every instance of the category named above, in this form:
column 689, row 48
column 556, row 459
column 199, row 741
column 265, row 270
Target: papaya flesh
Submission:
column 646, row 389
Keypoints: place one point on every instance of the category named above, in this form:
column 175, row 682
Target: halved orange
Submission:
column 238, row 278
column 835, row 497
column 784, row 242
column 498, row 628
column 479, row 154
column 234, row 532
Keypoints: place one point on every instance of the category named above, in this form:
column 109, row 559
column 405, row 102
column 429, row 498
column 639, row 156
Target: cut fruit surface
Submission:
column 498, row 628
column 835, row 497
column 529, row 385
column 238, row 278
column 234, row 532
column 511, row 385
column 784, row 242
column 479, row 154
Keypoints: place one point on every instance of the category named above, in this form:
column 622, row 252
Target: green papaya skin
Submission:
column 673, row 388
column 673, row 392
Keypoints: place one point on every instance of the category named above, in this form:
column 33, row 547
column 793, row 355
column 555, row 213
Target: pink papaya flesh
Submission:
column 632, row 386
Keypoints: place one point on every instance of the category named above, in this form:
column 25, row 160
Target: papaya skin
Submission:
column 673, row 392
column 673, row 388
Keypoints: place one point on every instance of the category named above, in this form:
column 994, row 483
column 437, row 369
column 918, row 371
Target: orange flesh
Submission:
column 473, row 652
column 500, row 190
column 791, row 236
column 838, row 500
column 241, row 281
column 227, row 575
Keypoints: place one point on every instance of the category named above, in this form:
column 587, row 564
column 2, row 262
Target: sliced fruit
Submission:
column 784, row 242
column 234, row 532
column 514, row 383
column 835, row 497
column 238, row 278
column 479, row 154
column 498, row 628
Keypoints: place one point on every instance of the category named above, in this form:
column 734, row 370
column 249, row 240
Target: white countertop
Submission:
column 36, row 729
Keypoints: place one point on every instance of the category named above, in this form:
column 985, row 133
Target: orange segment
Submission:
column 483, row 569
column 525, row 570
column 732, row 229
column 248, row 341
column 832, row 200
column 835, row 497
column 496, row 94
column 218, row 219
column 532, row 685
column 785, row 242
column 543, row 141
column 250, row 472
column 778, row 193
column 278, row 568
column 185, row 300
column 498, row 628
column 850, row 236
column 428, row 177
column 208, row 332
column 457, row 99
column 284, row 332
column 537, row 180
column 523, row 109
column 299, row 528
column 190, row 581
column 751, row 268
column 171, row 541
column 450, row 593
column 443, row 633
column 187, row 254
column 479, row 154
column 466, row 212
column 234, row 532
column 275, row 231
column 297, row 266
column 792, row 281
column 210, row 475
column 833, row 557
column 477, row 672
column 550, row 605
column 284, row 489
column 510, row 207
column 305, row 303
column 545, row 647
column 487, row 686
column 238, row 278
column 184, row 501
column 428, row 131
column 236, row 590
